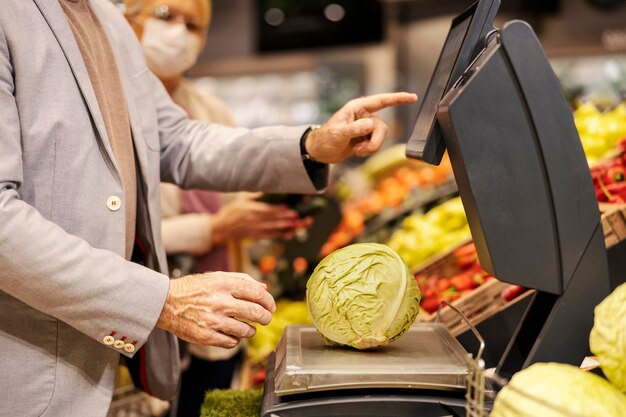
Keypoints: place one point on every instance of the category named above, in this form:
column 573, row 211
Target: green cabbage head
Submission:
column 362, row 296
column 608, row 337
column 573, row 391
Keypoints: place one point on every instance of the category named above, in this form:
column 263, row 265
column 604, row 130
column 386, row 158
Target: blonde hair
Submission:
column 133, row 8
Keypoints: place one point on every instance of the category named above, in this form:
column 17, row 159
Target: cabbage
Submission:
column 608, row 337
column 554, row 386
column 362, row 296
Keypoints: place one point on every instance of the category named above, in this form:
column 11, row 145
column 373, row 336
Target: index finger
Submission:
column 372, row 104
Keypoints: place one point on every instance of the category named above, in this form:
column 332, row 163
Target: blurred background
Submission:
column 286, row 62
column 294, row 62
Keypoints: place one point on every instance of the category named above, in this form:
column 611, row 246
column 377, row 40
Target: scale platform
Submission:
column 422, row 373
column 426, row 357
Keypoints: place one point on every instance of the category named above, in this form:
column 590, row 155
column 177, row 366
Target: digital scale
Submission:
column 496, row 105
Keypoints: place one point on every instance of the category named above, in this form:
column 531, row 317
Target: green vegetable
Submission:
column 425, row 235
column 232, row 403
column 608, row 337
column 362, row 296
column 558, row 390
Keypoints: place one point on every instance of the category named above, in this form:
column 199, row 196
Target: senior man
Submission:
column 87, row 132
column 197, row 222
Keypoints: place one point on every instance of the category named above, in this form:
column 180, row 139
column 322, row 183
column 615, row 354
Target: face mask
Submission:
column 170, row 49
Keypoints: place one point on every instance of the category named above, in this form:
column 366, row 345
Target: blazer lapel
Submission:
column 55, row 17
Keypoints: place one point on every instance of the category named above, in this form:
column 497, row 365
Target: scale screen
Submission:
column 464, row 41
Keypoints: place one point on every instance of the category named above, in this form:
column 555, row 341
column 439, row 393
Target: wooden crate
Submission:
column 485, row 301
column 613, row 223
column 477, row 305
column 437, row 262
column 490, row 310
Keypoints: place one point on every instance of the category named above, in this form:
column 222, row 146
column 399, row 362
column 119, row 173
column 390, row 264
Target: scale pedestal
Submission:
column 531, row 207
column 421, row 374
column 528, row 195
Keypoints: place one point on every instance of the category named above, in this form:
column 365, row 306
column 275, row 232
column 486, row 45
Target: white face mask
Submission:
column 170, row 49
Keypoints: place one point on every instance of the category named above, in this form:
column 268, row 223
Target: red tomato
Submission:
column 443, row 284
column 512, row 292
column 616, row 174
column 468, row 249
column 430, row 304
column 463, row 282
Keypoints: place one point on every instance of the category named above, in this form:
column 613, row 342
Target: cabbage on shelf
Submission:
column 608, row 337
column 558, row 390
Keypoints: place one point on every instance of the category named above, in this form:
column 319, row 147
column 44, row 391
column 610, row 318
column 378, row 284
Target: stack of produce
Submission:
column 608, row 337
column 609, row 177
column 425, row 235
column 393, row 178
column 600, row 131
column 558, row 390
column 459, row 275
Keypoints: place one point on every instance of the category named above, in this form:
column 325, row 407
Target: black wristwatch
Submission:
column 318, row 171
column 303, row 152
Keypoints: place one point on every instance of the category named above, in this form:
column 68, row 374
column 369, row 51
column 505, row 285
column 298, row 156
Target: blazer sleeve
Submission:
column 93, row 290
column 196, row 154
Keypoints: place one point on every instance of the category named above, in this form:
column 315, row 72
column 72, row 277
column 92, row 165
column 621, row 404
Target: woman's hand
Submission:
column 247, row 218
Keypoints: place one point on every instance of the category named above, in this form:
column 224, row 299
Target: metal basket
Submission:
column 481, row 387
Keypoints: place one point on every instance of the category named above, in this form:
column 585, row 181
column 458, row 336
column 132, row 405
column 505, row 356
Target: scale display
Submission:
column 465, row 40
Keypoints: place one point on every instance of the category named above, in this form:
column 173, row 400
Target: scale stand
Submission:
column 359, row 403
column 531, row 207
column 305, row 378
column 528, row 195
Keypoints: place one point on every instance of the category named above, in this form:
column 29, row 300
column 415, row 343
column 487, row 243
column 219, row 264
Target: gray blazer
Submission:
column 64, row 284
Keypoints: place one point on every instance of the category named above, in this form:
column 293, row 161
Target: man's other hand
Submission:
column 216, row 309
column 354, row 129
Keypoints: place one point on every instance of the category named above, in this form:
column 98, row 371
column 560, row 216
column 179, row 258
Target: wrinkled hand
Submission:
column 354, row 129
column 216, row 309
column 248, row 218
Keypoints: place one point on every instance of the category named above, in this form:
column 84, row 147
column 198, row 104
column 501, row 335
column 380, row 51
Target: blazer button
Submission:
column 119, row 344
column 129, row 347
column 114, row 203
column 108, row 340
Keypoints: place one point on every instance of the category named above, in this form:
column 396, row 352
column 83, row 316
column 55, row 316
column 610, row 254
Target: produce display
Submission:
column 558, row 390
column 385, row 181
column 362, row 296
column 609, row 177
column 425, row 235
column 608, row 337
column 267, row 337
column 232, row 403
column 600, row 131
column 451, row 280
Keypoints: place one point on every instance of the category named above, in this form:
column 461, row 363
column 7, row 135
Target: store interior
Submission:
column 276, row 62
